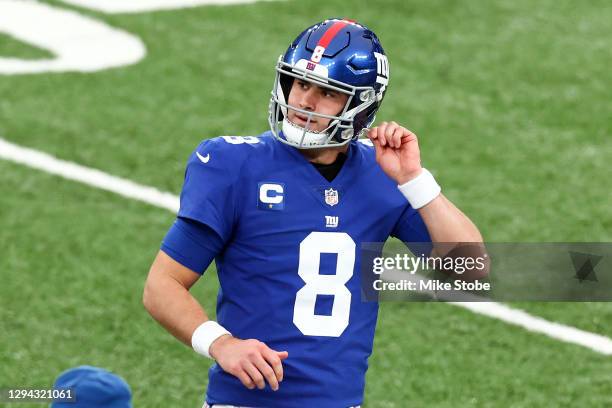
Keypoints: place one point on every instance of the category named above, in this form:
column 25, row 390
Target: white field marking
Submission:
column 96, row 178
column 568, row 334
column 138, row 6
column 78, row 43
column 86, row 175
column 517, row 317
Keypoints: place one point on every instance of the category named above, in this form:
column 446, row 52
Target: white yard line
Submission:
column 568, row 334
column 126, row 188
column 140, row 6
column 517, row 317
column 86, row 175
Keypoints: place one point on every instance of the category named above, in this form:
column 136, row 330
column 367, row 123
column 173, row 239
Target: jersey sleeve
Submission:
column 209, row 190
column 192, row 244
column 411, row 229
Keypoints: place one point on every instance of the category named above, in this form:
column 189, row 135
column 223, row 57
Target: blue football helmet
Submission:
column 340, row 55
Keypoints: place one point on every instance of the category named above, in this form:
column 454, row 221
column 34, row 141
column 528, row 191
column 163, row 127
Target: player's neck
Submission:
column 323, row 156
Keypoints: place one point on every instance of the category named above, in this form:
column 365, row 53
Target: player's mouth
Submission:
column 301, row 120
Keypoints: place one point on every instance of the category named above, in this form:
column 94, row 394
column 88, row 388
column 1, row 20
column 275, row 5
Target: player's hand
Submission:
column 397, row 151
column 251, row 361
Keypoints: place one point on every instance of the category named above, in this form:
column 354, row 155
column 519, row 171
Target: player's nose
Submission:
column 308, row 99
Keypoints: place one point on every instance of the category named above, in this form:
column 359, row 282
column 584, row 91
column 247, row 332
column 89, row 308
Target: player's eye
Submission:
column 330, row 94
column 302, row 84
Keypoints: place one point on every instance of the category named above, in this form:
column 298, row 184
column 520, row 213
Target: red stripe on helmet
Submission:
column 331, row 32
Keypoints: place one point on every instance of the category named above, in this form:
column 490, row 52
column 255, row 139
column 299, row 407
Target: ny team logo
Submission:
column 382, row 69
column 331, row 197
column 331, row 221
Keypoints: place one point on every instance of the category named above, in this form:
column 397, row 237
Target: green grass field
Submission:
column 511, row 102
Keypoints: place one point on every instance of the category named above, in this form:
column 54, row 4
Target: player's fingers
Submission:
column 397, row 136
column 272, row 357
column 268, row 373
column 381, row 133
column 282, row 354
column 389, row 132
column 245, row 379
column 408, row 136
column 408, row 132
column 373, row 133
column 255, row 375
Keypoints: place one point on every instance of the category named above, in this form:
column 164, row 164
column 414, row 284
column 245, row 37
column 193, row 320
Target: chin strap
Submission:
column 302, row 137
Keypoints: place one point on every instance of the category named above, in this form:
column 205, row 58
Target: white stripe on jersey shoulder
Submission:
column 366, row 142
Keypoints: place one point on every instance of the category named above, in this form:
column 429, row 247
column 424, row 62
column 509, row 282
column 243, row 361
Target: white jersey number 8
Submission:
column 311, row 248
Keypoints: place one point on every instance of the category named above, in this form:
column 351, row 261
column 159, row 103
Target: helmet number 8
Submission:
column 317, row 54
column 311, row 248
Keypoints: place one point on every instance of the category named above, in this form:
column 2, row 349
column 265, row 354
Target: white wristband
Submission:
column 205, row 334
column 420, row 190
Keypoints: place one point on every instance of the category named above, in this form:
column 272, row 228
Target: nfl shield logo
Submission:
column 331, row 196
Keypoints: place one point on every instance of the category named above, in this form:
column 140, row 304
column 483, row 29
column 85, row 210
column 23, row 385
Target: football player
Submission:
column 284, row 215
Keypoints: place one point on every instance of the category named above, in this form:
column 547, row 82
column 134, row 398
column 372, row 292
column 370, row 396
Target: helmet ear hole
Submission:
column 346, row 134
column 367, row 95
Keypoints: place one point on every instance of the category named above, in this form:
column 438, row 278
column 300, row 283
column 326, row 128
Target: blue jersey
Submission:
column 289, row 272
